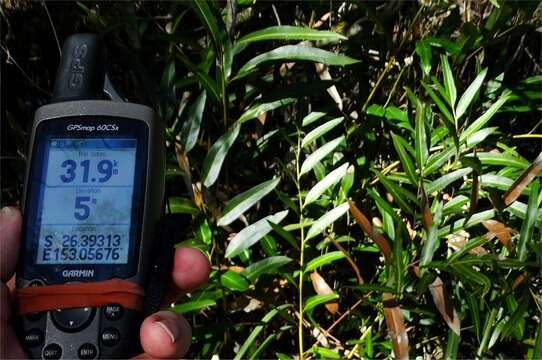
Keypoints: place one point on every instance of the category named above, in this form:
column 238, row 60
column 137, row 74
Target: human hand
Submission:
column 163, row 335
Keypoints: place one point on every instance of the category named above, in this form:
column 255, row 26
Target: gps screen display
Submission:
column 86, row 201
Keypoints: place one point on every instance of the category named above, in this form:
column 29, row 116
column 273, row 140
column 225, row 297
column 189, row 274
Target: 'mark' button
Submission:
column 33, row 337
column 110, row 336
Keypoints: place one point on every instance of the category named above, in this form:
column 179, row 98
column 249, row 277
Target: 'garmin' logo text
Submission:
column 101, row 127
column 77, row 273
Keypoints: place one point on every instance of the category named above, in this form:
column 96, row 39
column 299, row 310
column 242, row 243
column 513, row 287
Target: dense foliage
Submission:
column 362, row 175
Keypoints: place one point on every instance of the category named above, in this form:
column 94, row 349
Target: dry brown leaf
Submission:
column 322, row 20
column 396, row 326
column 322, row 288
column 519, row 280
column 444, row 305
column 426, row 210
column 523, row 180
column 184, row 165
column 262, row 117
column 366, row 226
column 499, row 230
column 324, row 74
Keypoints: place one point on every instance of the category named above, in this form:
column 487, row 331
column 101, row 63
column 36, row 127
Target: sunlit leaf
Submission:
column 320, row 130
column 469, row 94
column 449, row 83
column 265, row 266
column 244, row 201
column 423, row 49
column 316, row 300
column 446, row 180
column 295, row 53
column 252, row 234
column 286, row 32
column 216, row 155
column 312, row 117
column 527, row 228
column 234, row 281
column 328, row 218
column 323, row 260
column 256, row 110
column 319, row 154
column 483, row 119
column 331, row 179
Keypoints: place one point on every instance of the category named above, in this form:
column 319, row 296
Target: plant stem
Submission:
column 302, row 247
column 487, row 333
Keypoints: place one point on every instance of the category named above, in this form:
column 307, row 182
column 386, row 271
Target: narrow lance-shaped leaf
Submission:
column 449, row 83
column 421, row 137
column 396, row 326
column 328, row 218
column 295, row 53
column 234, row 281
column 469, row 94
column 408, row 166
column 423, row 49
column 320, row 130
column 444, row 305
column 319, row 154
column 523, row 180
column 331, row 179
column 500, row 231
column 244, row 201
column 251, row 234
column 316, row 300
column 216, row 155
column 367, row 227
column 323, row 260
column 286, row 32
column 312, row 117
column 255, row 110
column 527, row 227
column 447, row 179
column 265, row 266
column 192, row 123
column 322, row 288
column 258, row 329
column 483, row 119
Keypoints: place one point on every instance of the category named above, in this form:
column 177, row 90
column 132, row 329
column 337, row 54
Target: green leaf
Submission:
column 216, row 155
column 320, row 130
column 430, row 245
column 284, row 234
column 331, row 179
column 193, row 306
column 448, row 117
column 319, row 154
column 251, row 234
column 251, row 339
column 396, row 192
column 286, row 32
column 179, row 205
column 527, row 228
column 420, row 137
column 255, row 110
column 324, row 353
column 312, row 117
column 483, row 119
column 244, row 201
column 537, row 352
column 449, row 83
column 265, row 266
column 469, row 94
column 203, row 232
column 423, row 49
column 322, row 260
column 470, row 274
column 446, row 180
column 316, row 300
column 295, row 53
column 406, row 161
column 320, row 225
column 452, row 345
column 234, row 281
column 192, row 123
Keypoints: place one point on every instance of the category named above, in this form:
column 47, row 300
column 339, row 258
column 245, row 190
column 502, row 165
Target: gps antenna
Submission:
column 81, row 72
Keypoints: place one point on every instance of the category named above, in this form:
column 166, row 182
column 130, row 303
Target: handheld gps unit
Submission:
column 92, row 257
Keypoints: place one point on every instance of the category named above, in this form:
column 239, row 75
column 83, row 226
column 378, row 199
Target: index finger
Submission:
column 11, row 223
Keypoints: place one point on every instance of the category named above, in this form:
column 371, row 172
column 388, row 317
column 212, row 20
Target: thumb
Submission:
column 10, row 237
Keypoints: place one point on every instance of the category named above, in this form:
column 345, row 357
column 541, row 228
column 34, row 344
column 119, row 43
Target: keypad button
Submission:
column 110, row 336
column 33, row 337
column 87, row 351
column 35, row 283
column 113, row 311
column 52, row 351
column 73, row 319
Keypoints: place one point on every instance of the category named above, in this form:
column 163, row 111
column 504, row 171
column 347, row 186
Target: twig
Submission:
column 12, row 60
column 53, row 27
column 349, row 258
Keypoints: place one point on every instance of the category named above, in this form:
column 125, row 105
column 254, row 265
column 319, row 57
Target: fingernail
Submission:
column 7, row 211
column 170, row 327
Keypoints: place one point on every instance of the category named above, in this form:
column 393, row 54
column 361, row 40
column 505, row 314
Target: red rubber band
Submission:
column 73, row 295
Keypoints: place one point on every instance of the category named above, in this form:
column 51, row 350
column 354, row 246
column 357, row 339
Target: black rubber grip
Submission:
column 81, row 72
